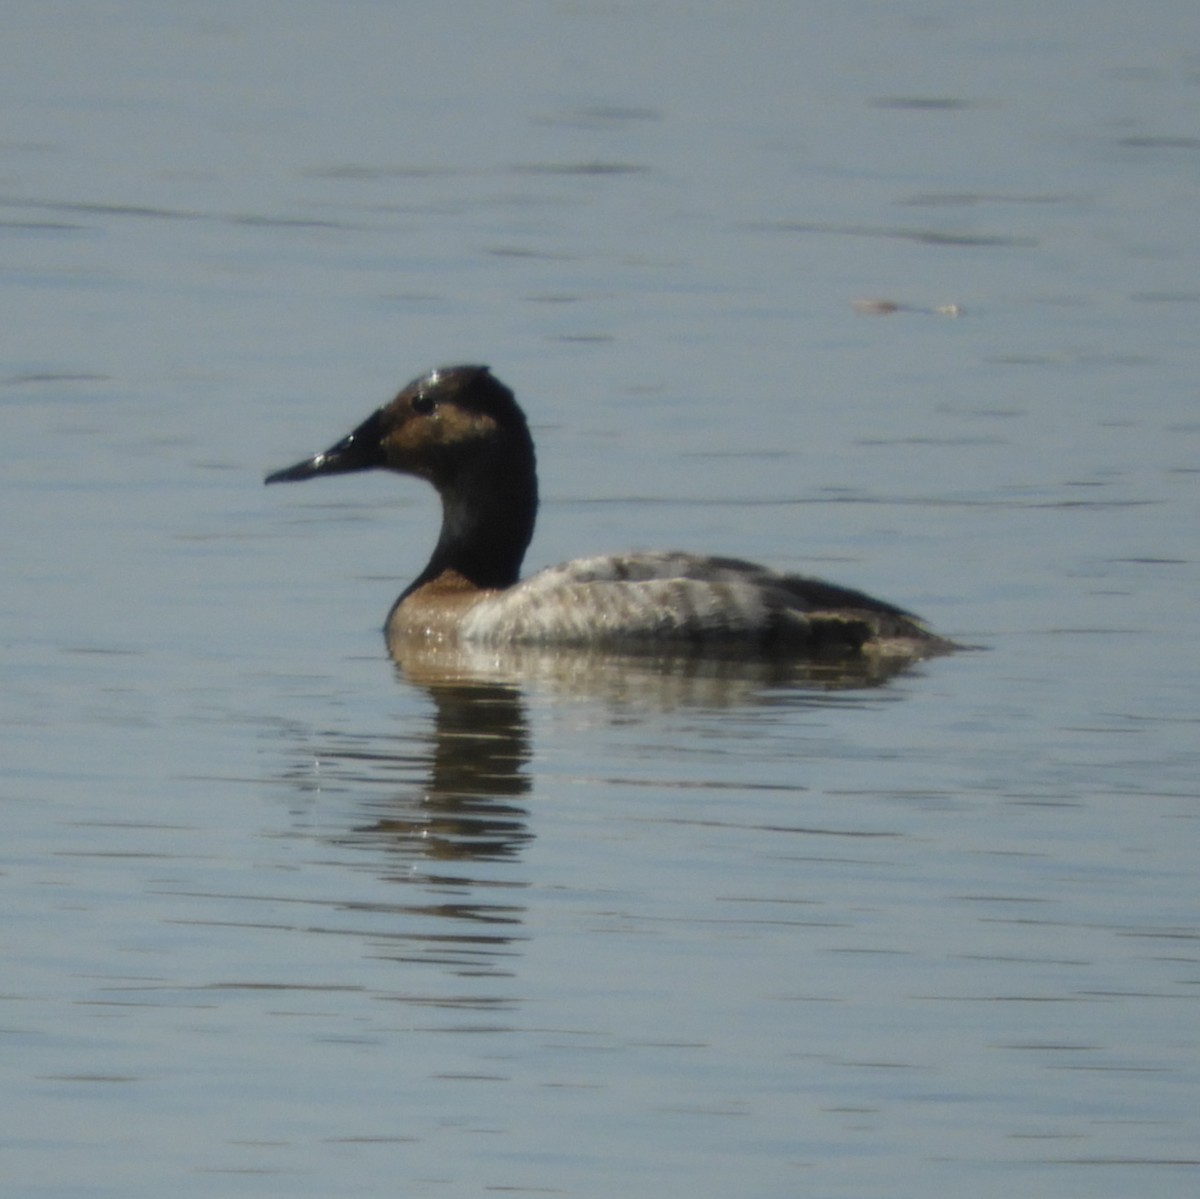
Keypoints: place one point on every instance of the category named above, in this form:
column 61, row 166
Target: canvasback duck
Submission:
column 461, row 429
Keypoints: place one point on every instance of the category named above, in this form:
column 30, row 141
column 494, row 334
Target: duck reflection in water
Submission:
column 465, row 802
column 467, row 808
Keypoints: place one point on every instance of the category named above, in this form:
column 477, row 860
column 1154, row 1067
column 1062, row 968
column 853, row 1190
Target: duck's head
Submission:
column 448, row 426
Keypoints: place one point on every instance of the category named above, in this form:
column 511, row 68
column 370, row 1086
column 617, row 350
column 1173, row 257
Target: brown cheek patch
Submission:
column 418, row 445
column 455, row 426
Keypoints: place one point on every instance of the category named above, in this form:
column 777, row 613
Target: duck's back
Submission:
column 647, row 599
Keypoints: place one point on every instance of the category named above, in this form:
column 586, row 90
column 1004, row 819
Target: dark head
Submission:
column 440, row 425
column 461, row 429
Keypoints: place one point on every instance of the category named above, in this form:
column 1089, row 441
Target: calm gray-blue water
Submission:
column 900, row 294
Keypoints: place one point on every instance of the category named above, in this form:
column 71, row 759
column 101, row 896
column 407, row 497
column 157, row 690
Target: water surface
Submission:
column 283, row 920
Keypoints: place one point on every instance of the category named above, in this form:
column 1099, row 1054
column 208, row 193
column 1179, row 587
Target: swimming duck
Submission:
column 462, row 430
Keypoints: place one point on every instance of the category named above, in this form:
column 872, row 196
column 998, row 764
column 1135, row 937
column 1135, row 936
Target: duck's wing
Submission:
column 804, row 593
column 652, row 598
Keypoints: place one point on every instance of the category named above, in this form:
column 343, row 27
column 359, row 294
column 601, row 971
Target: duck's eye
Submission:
column 423, row 403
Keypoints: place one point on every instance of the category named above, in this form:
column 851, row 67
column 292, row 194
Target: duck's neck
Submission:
column 488, row 513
